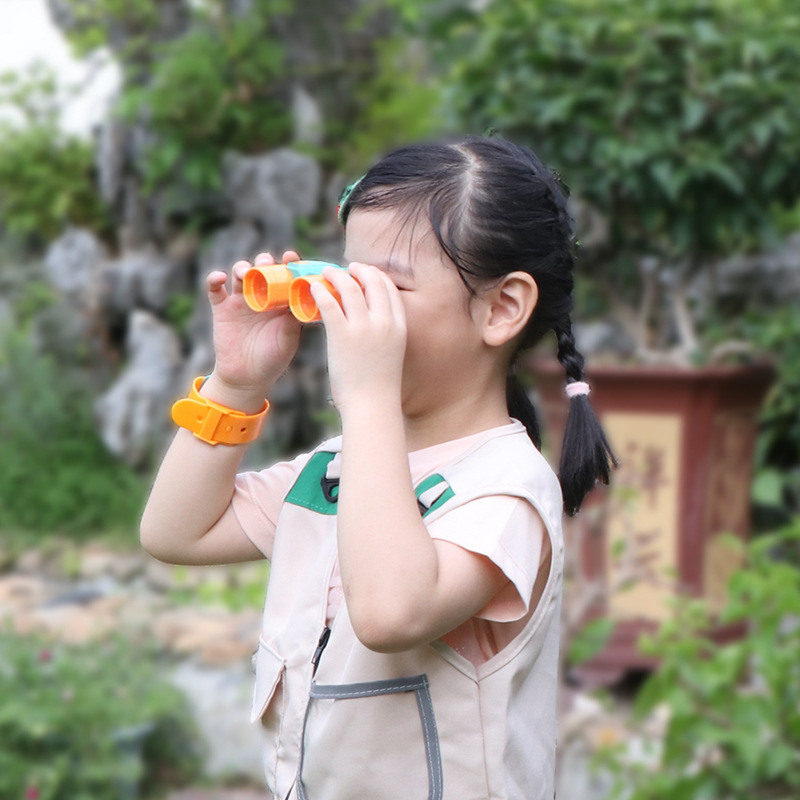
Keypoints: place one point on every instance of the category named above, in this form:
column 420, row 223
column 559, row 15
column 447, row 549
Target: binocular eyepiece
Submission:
column 277, row 286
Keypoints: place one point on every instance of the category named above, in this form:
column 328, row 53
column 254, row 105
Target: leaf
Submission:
column 768, row 488
column 668, row 178
column 725, row 174
column 590, row 640
column 694, row 112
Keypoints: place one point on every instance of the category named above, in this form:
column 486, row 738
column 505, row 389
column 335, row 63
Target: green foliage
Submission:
column 180, row 309
column 401, row 103
column 733, row 730
column 96, row 722
column 217, row 87
column 590, row 640
column 778, row 454
column 55, row 474
column 778, row 333
column 225, row 84
column 46, row 175
column 206, row 79
column 679, row 120
column 237, row 590
column 776, row 488
column 93, row 21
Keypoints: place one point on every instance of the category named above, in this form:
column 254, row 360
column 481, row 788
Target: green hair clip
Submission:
column 344, row 198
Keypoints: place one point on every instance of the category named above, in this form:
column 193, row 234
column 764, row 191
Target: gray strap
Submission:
column 435, row 778
column 368, row 689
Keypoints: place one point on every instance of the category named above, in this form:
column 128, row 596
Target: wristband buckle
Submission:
column 214, row 423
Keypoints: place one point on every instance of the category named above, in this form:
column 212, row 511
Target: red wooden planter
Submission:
column 685, row 440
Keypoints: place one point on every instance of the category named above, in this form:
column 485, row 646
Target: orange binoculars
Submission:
column 275, row 286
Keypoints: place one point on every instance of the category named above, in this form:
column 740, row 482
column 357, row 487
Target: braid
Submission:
column 586, row 455
column 568, row 355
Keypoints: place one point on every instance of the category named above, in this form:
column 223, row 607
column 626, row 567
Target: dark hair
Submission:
column 495, row 208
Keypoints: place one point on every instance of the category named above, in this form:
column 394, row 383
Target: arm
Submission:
column 402, row 588
column 188, row 517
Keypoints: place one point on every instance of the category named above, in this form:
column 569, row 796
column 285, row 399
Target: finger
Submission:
column 238, row 272
column 352, row 296
column 398, row 310
column 215, row 285
column 329, row 310
column 395, row 300
column 291, row 255
column 376, row 288
column 264, row 259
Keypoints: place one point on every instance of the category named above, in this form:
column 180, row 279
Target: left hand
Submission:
column 366, row 335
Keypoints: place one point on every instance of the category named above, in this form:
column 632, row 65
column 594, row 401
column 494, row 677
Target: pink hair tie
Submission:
column 576, row 389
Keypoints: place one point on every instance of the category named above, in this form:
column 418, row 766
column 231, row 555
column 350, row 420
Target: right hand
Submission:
column 252, row 348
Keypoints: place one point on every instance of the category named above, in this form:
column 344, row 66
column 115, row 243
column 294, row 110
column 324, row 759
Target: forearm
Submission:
column 388, row 561
column 192, row 491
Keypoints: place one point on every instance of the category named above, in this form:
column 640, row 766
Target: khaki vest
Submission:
column 422, row 724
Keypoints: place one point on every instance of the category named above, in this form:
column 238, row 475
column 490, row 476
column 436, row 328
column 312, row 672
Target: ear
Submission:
column 508, row 308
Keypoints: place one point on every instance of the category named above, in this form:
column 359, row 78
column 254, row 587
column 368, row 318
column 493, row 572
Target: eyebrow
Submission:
column 392, row 265
column 400, row 267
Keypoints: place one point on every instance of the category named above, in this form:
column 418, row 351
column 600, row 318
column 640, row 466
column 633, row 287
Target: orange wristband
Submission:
column 215, row 423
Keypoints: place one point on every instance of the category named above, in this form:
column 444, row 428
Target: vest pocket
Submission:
column 270, row 668
column 369, row 740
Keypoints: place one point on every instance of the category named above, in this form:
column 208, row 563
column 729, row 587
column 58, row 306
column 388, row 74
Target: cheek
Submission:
column 437, row 335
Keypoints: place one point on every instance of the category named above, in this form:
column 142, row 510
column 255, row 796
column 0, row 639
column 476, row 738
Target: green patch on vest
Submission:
column 429, row 483
column 307, row 490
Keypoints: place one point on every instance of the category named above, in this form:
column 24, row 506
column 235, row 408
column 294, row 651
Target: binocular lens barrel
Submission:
column 267, row 288
column 276, row 286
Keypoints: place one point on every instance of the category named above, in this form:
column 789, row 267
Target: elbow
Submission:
column 151, row 540
column 148, row 540
column 386, row 632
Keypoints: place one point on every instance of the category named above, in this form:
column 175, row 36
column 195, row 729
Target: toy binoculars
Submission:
column 275, row 286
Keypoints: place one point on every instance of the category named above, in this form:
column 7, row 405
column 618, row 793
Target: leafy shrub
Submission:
column 733, row 730
column 55, row 473
column 217, row 87
column 778, row 453
column 46, row 175
column 677, row 120
column 93, row 722
column 776, row 490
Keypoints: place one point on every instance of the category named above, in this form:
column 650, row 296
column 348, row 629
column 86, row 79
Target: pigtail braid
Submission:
column 586, row 455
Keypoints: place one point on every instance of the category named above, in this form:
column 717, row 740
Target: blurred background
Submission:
column 145, row 142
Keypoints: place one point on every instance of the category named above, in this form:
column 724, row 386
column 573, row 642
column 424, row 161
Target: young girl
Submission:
column 410, row 636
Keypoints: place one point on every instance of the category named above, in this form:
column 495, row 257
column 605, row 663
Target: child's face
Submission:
column 444, row 341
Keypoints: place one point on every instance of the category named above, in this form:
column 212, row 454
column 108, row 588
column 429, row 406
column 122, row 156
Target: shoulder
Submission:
column 505, row 462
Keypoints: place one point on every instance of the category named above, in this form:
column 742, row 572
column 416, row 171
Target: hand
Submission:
column 366, row 335
column 253, row 349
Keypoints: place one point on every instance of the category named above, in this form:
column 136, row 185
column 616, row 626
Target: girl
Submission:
column 410, row 637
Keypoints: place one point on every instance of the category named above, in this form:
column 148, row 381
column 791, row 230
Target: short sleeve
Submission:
column 258, row 497
column 507, row 530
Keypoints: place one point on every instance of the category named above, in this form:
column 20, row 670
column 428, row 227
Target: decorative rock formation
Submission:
column 133, row 413
column 273, row 190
